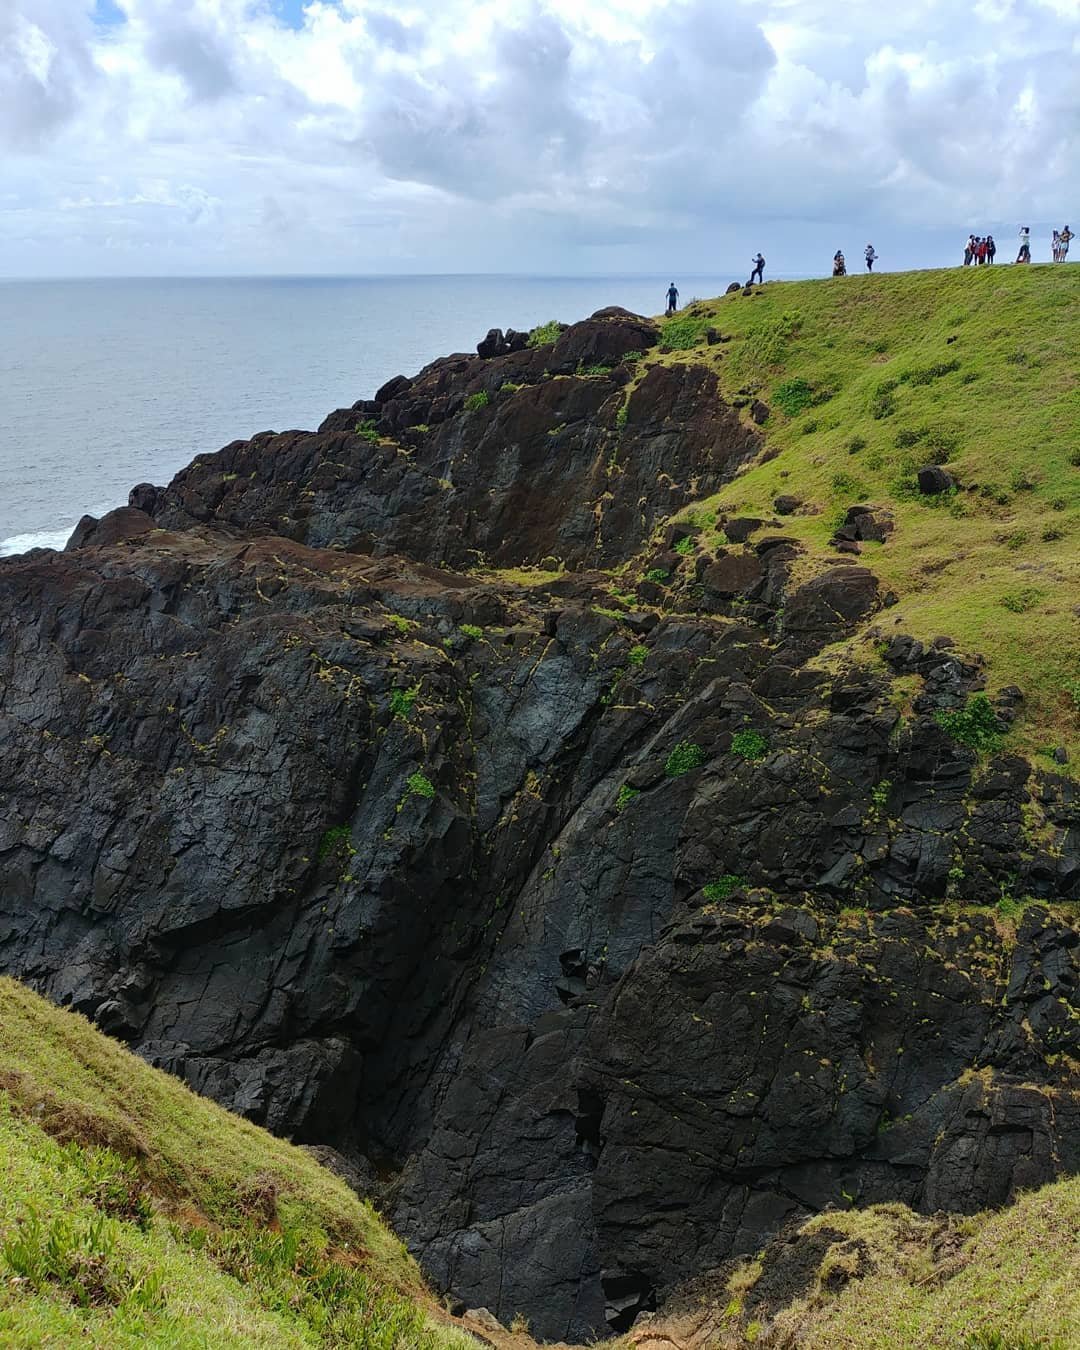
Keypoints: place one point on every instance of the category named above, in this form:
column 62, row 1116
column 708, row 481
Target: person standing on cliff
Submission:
column 1024, row 256
column 759, row 270
column 672, row 299
column 870, row 256
column 1064, row 240
column 991, row 248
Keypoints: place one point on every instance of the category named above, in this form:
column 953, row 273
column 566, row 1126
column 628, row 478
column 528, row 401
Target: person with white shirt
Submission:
column 1024, row 256
column 870, row 256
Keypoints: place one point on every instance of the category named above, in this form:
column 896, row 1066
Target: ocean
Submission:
column 105, row 383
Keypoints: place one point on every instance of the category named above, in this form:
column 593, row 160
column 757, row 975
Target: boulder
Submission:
column 492, row 345
column 126, row 522
column 739, row 529
column 933, row 479
column 786, row 504
column 144, row 497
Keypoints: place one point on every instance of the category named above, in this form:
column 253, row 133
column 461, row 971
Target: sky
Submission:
column 210, row 137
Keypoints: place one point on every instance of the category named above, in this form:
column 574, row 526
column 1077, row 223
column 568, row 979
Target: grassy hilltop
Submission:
column 870, row 377
column 135, row 1214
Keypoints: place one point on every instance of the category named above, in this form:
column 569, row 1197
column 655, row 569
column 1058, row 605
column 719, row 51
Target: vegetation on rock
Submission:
column 973, row 370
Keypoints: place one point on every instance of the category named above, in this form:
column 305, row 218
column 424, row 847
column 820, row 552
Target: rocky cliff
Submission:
column 621, row 889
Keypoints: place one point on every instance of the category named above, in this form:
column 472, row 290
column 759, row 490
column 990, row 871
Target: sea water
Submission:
column 105, row 383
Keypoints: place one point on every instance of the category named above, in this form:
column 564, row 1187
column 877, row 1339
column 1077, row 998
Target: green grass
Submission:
column 996, row 565
column 135, row 1214
column 368, row 431
column 1012, row 1275
column 544, row 333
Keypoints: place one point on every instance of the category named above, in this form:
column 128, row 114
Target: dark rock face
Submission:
column 545, row 467
column 627, row 939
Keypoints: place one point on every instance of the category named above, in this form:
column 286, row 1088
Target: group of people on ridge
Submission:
column 839, row 262
column 980, row 249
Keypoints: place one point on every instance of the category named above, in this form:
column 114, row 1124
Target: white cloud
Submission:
column 516, row 134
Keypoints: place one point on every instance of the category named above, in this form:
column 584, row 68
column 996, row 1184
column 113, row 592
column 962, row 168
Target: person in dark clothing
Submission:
column 991, row 248
column 969, row 250
column 839, row 266
column 759, row 269
column 672, row 298
column 980, row 252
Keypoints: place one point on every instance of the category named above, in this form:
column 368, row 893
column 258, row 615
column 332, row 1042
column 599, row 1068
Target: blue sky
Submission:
column 210, row 136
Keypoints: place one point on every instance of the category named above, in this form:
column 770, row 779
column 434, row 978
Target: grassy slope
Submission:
column 1008, row 420
column 1001, row 1281
column 134, row 1213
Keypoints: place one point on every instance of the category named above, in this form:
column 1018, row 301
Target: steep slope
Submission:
column 870, row 379
column 626, row 909
column 133, row 1213
column 884, row 1279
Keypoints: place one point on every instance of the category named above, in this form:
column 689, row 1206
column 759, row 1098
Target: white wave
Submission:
column 20, row 543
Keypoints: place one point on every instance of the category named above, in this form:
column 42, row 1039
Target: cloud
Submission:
column 44, row 67
column 195, row 54
column 351, row 135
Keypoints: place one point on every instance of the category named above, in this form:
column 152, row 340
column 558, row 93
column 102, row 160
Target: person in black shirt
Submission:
column 759, row 269
column 672, row 298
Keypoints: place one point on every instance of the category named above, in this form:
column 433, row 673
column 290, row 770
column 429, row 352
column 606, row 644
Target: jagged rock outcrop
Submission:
column 504, row 460
column 628, row 934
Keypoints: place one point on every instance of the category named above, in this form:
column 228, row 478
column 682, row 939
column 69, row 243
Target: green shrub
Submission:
column 1009, row 907
column 974, row 725
column 402, row 700
column 637, row 654
column 723, row 887
column 477, row 401
column 626, row 796
column 880, row 794
column 856, row 444
column 683, row 758
column 792, row 396
column 1074, row 458
column 1020, row 601
column 336, row 839
column 847, row 486
column 1072, row 688
column 657, row 574
column 631, row 358
column 509, row 387
column 599, row 368
column 420, row 785
column 545, row 333
column 622, row 415
column 368, row 431
column 682, row 332
column 686, row 546
column 749, row 744
column 930, row 373
column 471, row 631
